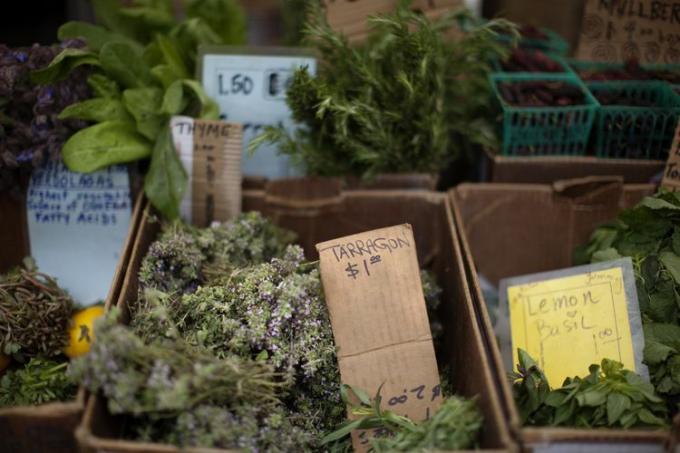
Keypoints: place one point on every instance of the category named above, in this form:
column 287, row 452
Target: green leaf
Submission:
column 657, row 203
column 617, row 404
column 107, row 12
column 656, row 353
column 362, row 395
column 173, row 99
column 124, row 64
column 102, row 145
column 591, row 397
column 225, row 17
column 650, row 419
column 344, row 430
column 65, row 62
column 98, row 110
column 103, row 87
column 145, row 106
column 208, row 108
column 605, row 255
column 172, row 57
column 165, row 75
column 149, row 17
column 94, row 35
column 166, row 181
column 676, row 241
column 671, row 262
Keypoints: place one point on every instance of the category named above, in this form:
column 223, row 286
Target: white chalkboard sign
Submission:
column 249, row 86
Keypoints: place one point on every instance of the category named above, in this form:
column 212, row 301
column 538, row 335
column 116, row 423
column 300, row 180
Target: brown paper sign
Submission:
column 380, row 325
column 211, row 154
column 351, row 16
column 671, row 175
column 618, row 30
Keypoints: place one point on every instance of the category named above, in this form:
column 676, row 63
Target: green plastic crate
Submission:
column 624, row 131
column 544, row 131
column 580, row 65
column 555, row 43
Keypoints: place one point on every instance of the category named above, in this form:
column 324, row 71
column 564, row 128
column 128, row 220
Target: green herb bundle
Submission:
column 649, row 233
column 409, row 100
column 455, row 425
column 608, row 397
column 142, row 63
column 39, row 381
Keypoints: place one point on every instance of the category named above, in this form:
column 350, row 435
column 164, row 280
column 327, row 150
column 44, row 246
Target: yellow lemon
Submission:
column 81, row 332
column 4, row 361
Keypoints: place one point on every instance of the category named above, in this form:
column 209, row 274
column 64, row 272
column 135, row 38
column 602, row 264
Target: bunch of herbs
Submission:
column 649, row 233
column 39, row 381
column 609, row 396
column 408, row 100
column 142, row 64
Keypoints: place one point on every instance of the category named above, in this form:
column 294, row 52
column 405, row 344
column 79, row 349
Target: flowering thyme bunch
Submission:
column 184, row 256
column 30, row 129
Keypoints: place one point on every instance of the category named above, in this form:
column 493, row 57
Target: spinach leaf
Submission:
column 124, row 64
column 166, row 181
column 144, row 104
column 104, row 144
column 67, row 60
column 103, row 86
column 97, row 109
column 94, row 35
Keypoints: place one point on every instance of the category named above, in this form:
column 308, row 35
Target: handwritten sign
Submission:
column 211, row 154
column 380, row 325
column 77, row 225
column 571, row 321
column 671, row 174
column 350, row 17
column 618, row 30
column 250, row 88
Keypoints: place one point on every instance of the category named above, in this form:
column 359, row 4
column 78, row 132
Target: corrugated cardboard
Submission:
column 335, row 214
column 377, row 310
column 548, row 169
column 50, row 427
column 616, row 31
column 671, row 174
column 519, row 229
column 13, row 227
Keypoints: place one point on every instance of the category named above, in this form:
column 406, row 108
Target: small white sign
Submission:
column 251, row 89
column 77, row 225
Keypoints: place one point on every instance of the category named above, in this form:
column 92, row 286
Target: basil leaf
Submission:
column 671, row 262
column 103, row 87
column 94, row 35
column 122, row 62
column 102, row 145
column 173, row 99
column 166, row 181
column 144, row 104
column 617, row 404
column 656, row 353
column 97, row 109
column 66, row 61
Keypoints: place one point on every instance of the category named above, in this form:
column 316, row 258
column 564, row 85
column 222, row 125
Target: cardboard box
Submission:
column 547, row 169
column 13, row 228
column 50, row 427
column 328, row 214
column 508, row 230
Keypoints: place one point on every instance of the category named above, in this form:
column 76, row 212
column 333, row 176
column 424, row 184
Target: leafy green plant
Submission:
column 608, row 397
column 649, row 233
column 408, row 100
column 142, row 64
column 39, row 381
column 455, row 426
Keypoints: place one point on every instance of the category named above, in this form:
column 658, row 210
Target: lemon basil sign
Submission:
column 571, row 318
column 81, row 331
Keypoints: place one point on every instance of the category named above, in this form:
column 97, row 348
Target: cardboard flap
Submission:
column 592, row 190
column 304, row 193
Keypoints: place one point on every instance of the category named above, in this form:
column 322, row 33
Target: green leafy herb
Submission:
column 408, row 100
column 37, row 382
column 649, row 233
column 608, row 397
column 455, row 426
column 142, row 62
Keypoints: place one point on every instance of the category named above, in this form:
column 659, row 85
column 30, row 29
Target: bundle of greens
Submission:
column 30, row 131
column 649, row 233
column 608, row 397
column 142, row 65
column 35, row 315
column 409, row 100
column 455, row 426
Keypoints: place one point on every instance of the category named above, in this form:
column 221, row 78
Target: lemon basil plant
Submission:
column 142, row 62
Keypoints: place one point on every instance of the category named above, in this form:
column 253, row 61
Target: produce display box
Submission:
column 548, row 169
column 317, row 211
column 555, row 43
column 50, row 427
column 542, row 224
column 577, row 66
column 627, row 131
column 539, row 131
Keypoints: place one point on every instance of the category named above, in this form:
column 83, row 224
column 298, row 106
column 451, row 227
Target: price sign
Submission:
column 615, row 31
column 671, row 174
column 570, row 319
column 250, row 88
column 77, row 224
column 377, row 310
